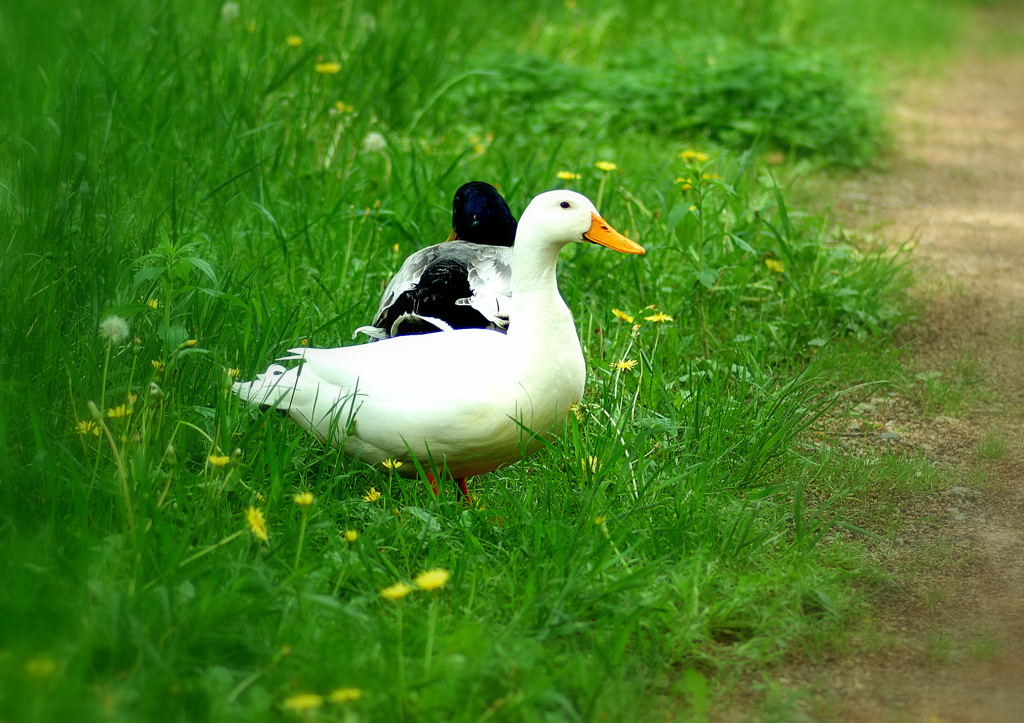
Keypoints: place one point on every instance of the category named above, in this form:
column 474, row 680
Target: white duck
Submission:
column 470, row 400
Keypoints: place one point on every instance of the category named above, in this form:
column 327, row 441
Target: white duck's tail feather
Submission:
column 316, row 405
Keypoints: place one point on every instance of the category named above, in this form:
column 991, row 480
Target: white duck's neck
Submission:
column 538, row 308
column 544, row 345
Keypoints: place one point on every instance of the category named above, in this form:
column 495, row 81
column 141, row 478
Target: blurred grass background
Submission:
column 237, row 178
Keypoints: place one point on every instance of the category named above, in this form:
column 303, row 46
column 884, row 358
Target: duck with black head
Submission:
column 464, row 283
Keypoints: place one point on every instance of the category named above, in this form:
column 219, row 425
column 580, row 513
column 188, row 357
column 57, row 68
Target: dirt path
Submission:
column 947, row 643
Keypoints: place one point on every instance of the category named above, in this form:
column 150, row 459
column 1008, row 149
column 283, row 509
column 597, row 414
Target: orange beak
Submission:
column 600, row 232
column 452, row 236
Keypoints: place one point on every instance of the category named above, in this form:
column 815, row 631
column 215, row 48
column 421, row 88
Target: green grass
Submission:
column 953, row 392
column 191, row 172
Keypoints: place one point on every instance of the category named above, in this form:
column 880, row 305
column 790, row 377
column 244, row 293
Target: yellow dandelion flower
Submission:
column 625, row 364
column 40, row 667
column 294, row 41
column 257, row 523
column 568, row 175
column 372, row 496
column 392, row 464
column 577, row 410
column 622, row 316
column 121, row 410
column 304, row 499
column 218, row 460
column 691, row 156
column 775, row 266
column 87, row 427
column 153, row 304
column 346, row 695
column 659, row 317
column 432, row 579
column 303, row 701
column 233, row 372
column 600, row 519
column 351, row 536
column 606, row 165
column 328, row 68
column 397, row 591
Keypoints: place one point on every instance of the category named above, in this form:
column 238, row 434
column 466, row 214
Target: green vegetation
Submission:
column 950, row 393
column 230, row 194
column 802, row 101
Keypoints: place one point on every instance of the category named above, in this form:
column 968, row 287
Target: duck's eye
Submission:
column 564, row 204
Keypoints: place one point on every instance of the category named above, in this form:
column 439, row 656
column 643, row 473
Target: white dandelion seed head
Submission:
column 114, row 329
column 374, row 142
column 367, row 22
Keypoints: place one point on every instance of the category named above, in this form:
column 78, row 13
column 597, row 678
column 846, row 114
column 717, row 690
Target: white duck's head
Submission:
column 558, row 218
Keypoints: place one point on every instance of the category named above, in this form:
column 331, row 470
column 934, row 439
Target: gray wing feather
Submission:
column 407, row 277
column 490, row 280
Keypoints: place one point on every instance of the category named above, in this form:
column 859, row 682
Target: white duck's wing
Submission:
column 410, row 397
column 414, row 366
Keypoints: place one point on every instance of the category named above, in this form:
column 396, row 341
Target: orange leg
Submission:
column 461, row 482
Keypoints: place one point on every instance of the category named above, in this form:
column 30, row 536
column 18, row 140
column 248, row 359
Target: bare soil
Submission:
column 946, row 643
